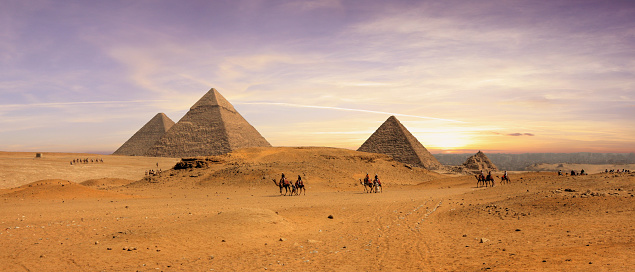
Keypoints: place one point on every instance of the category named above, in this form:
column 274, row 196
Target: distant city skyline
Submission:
column 461, row 76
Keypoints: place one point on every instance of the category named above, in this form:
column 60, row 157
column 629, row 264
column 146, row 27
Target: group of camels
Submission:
column 373, row 186
column 289, row 187
column 489, row 180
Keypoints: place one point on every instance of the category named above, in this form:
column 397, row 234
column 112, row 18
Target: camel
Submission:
column 367, row 184
column 299, row 185
column 504, row 179
column 377, row 185
column 484, row 180
column 284, row 183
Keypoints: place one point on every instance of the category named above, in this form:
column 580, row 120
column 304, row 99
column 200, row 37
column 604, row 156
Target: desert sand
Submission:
column 228, row 215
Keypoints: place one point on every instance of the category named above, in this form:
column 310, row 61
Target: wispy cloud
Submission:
column 520, row 134
column 349, row 109
column 63, row 104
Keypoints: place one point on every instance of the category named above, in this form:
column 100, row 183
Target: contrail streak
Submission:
column 56, row 104
column 348, row 109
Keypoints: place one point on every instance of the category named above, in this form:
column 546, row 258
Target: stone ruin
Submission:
column 393, row 139
column 478, row 162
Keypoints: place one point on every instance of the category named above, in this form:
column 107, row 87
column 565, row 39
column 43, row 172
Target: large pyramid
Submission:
column 211, row 127
column 143, row 139
column 478, row 162
column 392, row 138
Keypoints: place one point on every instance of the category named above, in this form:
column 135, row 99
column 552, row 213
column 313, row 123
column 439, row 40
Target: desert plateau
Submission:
column 224, row 213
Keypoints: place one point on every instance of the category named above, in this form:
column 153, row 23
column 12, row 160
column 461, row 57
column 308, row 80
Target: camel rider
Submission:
column 367, row 178
column 377, row 180
column 505, row 175
column 283, row 179
column 299, row 182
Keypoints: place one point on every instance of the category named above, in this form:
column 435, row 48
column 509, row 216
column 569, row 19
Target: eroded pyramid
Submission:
column 145, row 138
column 392, row 138
column 478, row 162
column 211, row 127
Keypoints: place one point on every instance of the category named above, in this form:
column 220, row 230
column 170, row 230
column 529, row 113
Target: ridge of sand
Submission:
column 58, row 189
column 333, row 167
column 190, row 221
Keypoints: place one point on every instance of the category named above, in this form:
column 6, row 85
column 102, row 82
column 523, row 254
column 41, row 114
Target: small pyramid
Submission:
column 478, row 162
column 143, row 139
column 392, row 138
column 211, row 127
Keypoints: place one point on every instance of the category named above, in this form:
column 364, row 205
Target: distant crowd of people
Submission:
column 153, row 172
column 86, row 160
column 617, row 171
column 574, row 173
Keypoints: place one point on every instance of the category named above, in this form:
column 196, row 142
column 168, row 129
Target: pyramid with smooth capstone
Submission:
column 211, row 127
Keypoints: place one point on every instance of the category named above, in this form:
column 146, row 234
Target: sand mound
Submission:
column 106, row 183
column 334, row 167
column 58, row 189
column 251, row 218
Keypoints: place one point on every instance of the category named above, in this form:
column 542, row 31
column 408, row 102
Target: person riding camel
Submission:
column 377, row 180
column 505, row 174
column 283, row 179
column 299, row 181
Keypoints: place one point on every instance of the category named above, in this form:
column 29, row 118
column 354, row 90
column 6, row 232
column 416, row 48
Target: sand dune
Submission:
column 226, row 217
column 57, row 189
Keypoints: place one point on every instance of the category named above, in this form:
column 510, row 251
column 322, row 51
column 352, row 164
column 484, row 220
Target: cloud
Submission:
column 349, row 109
column 520, row 134
column 64, row 104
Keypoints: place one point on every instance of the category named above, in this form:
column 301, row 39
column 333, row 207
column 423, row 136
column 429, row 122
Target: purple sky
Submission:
column 497, row 76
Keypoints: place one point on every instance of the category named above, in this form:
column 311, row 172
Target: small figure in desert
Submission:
column 489, row 178
column 377, row 184
column 299, row 185
column 480, row 179
column 284, row 183
column 505, row 178
column 368, row 185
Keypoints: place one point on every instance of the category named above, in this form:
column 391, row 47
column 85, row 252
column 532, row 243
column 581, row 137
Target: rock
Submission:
column 282, row 239
column 517, row 229
column 330, row 216
column 484, row 240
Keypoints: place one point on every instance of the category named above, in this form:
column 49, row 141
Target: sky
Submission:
column 501, row 76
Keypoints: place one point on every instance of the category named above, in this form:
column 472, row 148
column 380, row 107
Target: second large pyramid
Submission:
column 211, row 127
column 392, row 138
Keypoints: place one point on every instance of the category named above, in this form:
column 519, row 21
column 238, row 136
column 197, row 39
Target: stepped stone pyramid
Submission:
column 392, row 138
column 211, row 127
column 143, row 139
column 478, row 162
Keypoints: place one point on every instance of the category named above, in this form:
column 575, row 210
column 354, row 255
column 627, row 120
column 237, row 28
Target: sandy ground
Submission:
column 229, row 216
